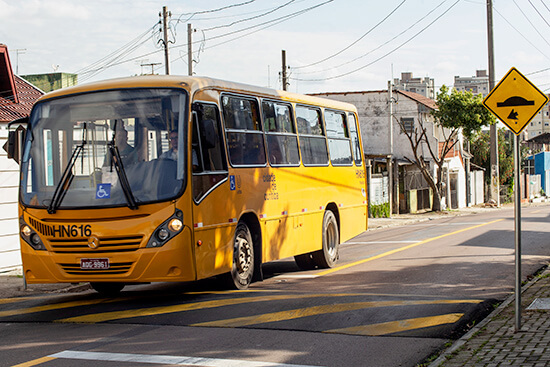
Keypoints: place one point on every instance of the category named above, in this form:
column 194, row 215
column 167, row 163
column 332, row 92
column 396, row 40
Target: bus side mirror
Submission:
column 15, row 139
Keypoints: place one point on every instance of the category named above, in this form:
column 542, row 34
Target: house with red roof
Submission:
column 17, row 97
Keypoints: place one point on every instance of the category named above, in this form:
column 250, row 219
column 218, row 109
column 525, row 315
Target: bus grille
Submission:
column 106, row 244
column 114, row 268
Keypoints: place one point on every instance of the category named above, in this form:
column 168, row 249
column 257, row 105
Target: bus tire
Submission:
column 107, row 289
column 305, row 261
column 242, row 269
column 328, row 255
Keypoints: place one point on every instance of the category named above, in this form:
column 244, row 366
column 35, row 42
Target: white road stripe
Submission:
column 173, row 360
column 371, row 242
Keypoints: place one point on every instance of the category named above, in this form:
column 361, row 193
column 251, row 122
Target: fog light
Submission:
column 35, row 239
column 163, row 234
column 175, row 225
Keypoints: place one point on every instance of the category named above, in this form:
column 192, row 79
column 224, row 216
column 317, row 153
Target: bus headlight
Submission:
column 175, row 225
column 30, row 236
column 167, row 230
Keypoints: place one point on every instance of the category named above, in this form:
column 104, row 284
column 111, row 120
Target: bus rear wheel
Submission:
column 242, row 269
column 328, row 255
column 107, row 289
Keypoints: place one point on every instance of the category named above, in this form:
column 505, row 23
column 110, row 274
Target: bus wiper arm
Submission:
column 65, row 182
column 117, row 161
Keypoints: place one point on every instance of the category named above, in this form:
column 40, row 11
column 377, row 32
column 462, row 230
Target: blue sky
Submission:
column 364, row 42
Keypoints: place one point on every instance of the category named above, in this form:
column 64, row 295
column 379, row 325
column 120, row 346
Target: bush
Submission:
column 380, row 210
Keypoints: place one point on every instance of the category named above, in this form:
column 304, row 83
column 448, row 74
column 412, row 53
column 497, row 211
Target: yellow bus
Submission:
column 170, row 178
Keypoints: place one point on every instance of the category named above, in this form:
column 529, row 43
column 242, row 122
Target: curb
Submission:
column 466, row 337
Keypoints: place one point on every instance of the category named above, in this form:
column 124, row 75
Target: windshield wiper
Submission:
column 121, row 173
column 117, row 161
column 66, row 179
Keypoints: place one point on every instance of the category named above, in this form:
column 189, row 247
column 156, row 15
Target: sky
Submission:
column 331, row 45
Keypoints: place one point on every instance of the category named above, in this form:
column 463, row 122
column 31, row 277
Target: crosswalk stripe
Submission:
column 318, row 310
column 392, row 327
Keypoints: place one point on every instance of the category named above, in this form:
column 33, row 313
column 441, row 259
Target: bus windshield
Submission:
column 100, row 149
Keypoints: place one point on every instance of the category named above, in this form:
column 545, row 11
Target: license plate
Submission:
column 94, row 264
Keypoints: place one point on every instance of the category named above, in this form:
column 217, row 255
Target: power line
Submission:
column 532, row 25
column 376, row 48
column 521, row 34
column 383, row 56
column 538, row 12
column 263, row 26
column 354, row 42
column 249, row 19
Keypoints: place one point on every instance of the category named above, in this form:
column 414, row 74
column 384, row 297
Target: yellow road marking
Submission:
column 35, row 362
column 333, row 270
column 398, row 326
column 57, row 306
column 318, row 310
column 126, row 314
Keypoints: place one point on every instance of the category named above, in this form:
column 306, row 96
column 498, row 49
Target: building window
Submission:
column 407, row 124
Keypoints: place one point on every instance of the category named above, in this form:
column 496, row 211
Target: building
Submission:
column 423, row 86
column 478, row 84
column 52, row 81
column 16, row 99
column 381, row 144
column 540, row 124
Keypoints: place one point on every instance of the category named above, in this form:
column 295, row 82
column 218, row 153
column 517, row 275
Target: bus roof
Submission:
column 194, row 84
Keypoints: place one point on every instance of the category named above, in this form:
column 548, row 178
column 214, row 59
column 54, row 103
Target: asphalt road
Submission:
column 395, row 298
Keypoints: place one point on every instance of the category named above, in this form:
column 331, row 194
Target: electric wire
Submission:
column 249, row 19
column 383, row 56
column 532, row 25
column 354, row 42
column 521, row 34
column 263, row 26
column 376, row 48
column 538, row 12
column 112, row 59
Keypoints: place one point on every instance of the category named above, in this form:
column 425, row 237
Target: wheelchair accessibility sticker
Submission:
column 232, row 185
column 103, row 191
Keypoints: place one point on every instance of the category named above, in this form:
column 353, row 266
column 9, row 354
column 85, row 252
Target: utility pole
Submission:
column 389, row 158
column 189, row 50
column 18, row 51
column 165, row 15
column 494, row 192
column 283, row 73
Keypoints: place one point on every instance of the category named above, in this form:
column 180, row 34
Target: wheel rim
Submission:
column 244, row 255
column 331, row 236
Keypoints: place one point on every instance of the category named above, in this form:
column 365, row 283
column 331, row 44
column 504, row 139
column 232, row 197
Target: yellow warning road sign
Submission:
column 515, row 100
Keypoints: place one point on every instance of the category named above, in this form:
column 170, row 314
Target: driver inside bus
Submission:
column 172, row 153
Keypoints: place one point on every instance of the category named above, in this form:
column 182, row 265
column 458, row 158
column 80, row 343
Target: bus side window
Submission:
column 338, row 138
column 243, row 129
column 282, row 142
column 354, row 136
column 208, row 161
column 313, row 145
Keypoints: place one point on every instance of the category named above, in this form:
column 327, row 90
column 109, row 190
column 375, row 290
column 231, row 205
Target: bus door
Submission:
column 212, row 232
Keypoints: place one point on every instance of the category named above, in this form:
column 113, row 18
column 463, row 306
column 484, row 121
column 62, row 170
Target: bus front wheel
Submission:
column 328, row 255
column 242, row 269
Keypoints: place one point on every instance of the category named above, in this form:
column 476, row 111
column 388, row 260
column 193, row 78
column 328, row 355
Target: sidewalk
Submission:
column 494, row 341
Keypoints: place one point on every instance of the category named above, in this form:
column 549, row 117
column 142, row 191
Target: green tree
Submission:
column 479, row 147
column 456, row 112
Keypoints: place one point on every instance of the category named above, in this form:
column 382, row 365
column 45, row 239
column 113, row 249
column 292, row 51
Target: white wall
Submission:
column 10, row 256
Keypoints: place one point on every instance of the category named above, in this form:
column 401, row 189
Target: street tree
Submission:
column 457, row 112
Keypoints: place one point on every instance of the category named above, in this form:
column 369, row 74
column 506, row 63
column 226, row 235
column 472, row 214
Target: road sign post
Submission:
column 515, row 101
